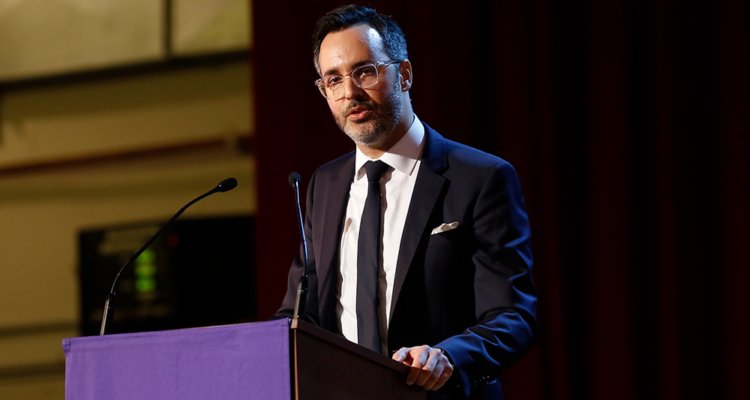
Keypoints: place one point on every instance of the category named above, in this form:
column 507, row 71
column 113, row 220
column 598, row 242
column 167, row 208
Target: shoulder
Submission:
column 337, row 166
column 459, row 157
column 341, row 168
column 463, row 154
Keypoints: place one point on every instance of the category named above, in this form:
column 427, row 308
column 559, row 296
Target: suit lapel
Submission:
column 427, row 190
column 336, row 198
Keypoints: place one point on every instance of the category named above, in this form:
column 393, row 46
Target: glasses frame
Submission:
column 322, row 86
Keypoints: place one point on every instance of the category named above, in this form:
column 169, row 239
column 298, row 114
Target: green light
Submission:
column 145, row 285
column 145, row 270
column 147, row 256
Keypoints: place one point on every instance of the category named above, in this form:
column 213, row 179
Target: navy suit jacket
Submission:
column 468, row 290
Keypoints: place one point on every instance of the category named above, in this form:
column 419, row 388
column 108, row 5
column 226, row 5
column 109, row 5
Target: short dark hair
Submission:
column 344, row 17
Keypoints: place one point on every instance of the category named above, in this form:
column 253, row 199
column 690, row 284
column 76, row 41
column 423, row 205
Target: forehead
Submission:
column 340, row 51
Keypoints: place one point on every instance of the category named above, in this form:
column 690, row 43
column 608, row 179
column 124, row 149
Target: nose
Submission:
column 351, row 89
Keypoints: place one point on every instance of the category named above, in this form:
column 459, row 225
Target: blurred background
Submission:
column 113, row 115
column 628, row 123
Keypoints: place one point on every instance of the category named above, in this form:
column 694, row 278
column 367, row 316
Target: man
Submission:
column 419, row 247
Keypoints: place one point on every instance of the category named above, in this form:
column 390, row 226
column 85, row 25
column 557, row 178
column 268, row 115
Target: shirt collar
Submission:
column 402, row 156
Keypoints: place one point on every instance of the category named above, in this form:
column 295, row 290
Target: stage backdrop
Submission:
column 628, row 125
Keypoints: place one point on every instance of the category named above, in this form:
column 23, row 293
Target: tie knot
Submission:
column 375, row 170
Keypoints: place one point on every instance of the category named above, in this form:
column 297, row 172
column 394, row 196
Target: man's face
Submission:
column 368, row 115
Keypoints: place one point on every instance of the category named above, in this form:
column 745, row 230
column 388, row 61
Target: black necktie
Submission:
column 368, row 256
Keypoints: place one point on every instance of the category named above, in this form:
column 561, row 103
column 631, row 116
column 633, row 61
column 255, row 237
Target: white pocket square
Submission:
column 445, row 227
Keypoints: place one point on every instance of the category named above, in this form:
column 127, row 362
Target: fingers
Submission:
column 419, row 356
column 442, row 378
column 430, row 369
column 401, row 354
column 430, row 376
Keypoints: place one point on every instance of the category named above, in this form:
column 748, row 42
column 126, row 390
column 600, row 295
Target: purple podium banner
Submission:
column 232, row 362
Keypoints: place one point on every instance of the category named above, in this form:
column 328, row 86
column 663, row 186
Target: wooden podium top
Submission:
column 327, row 366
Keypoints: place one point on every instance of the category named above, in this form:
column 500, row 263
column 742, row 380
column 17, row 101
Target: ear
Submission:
column 406, row 75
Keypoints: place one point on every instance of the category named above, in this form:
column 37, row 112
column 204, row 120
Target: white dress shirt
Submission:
column 396, row 188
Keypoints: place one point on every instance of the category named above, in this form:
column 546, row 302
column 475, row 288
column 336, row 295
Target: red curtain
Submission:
column 629, row 126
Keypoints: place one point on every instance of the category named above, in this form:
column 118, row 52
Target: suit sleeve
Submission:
column 505, row 297
column 298, row 268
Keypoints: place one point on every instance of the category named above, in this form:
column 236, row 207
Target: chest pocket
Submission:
column 451, row 236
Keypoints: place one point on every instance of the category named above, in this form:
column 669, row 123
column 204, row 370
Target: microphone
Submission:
column 299, row 305
column 226, row 185
column 109, row 313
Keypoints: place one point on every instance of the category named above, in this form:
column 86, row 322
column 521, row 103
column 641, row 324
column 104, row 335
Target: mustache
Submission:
column 358, row 103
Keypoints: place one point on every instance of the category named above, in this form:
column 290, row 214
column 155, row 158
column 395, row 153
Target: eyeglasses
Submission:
column 365, row 76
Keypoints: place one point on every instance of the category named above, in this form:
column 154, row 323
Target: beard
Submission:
column 382, row 121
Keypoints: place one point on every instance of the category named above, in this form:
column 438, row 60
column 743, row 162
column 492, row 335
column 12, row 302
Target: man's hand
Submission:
column 430, row 369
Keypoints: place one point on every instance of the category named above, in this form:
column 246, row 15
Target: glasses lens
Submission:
column 366, row 75
column 331, row 86
column 324, row 90
column 321, row 88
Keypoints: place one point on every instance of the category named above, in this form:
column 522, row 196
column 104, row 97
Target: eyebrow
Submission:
column 335, row 71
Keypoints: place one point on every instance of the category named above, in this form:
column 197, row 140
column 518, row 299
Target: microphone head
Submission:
column 294, row 178
column 227, row 185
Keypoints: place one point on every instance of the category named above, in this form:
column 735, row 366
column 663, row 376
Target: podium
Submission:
column 284, row 359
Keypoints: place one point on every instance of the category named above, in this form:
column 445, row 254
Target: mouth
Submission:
column 358, row 113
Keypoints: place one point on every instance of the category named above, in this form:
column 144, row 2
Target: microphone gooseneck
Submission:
column 223, row 186
column 299, row 306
